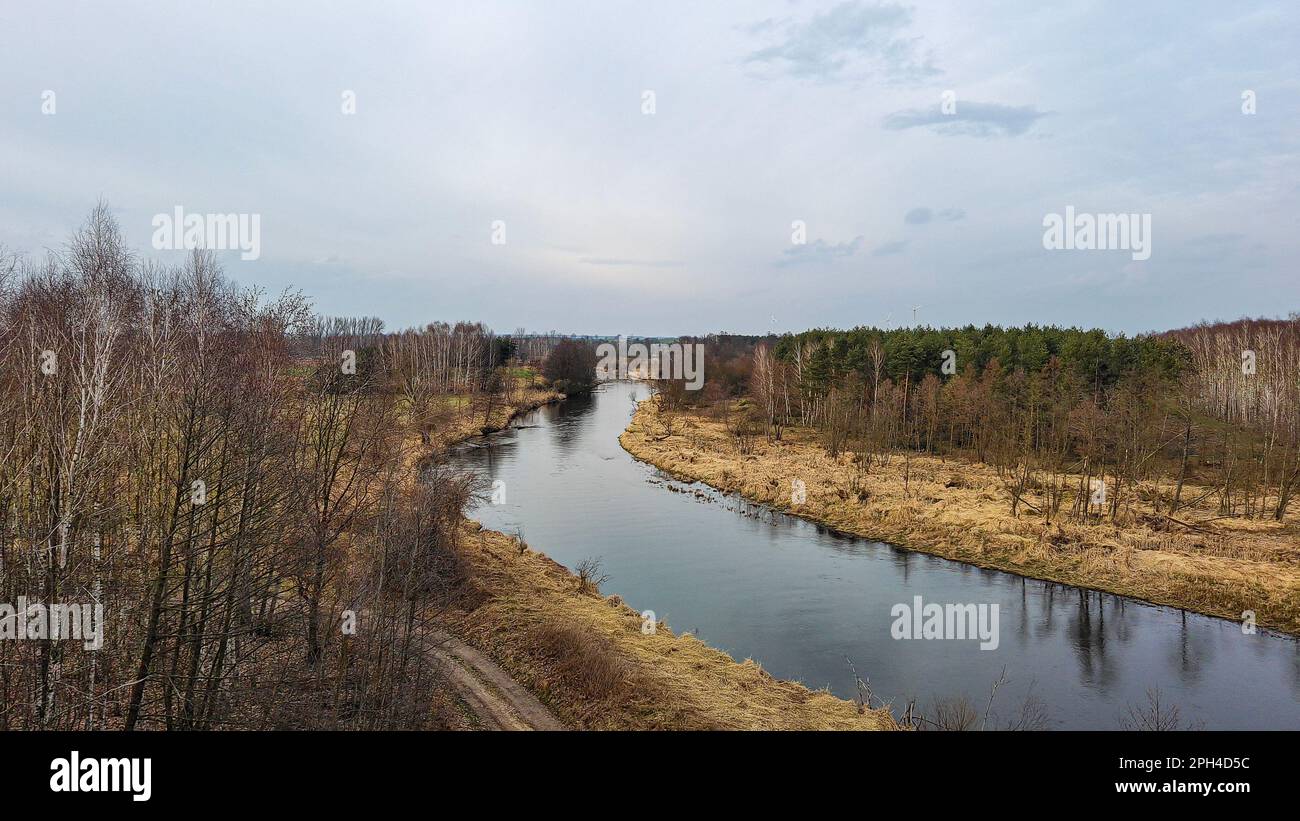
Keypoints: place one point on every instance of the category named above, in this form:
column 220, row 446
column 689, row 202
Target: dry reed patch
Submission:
column 583, row 659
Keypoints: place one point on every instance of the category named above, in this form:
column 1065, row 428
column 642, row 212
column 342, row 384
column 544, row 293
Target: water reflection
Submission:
column 800, row 598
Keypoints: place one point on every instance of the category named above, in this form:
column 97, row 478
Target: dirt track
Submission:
column 496, row 700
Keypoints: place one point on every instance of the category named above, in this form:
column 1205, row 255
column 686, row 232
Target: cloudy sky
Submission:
column 765, row 113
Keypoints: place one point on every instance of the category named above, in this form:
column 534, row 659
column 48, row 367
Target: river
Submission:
column 805, row 601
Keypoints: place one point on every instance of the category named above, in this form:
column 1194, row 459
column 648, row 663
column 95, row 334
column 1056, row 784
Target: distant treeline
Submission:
column 1093, row 356
column 1216, row 404
column 1097, row 358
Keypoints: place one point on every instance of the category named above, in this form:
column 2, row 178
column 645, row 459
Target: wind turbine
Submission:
column 889, row 321
column 915, row 308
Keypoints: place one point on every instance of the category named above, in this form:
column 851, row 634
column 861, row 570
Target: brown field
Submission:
column 959, row 510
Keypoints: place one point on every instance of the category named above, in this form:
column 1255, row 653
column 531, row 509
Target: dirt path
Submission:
column 495, row 698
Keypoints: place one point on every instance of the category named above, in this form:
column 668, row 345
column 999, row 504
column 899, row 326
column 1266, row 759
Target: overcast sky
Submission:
column 680, row 221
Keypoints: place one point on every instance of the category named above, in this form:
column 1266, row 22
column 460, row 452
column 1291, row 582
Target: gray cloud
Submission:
column 819, row 252
column 890, row 248
column 970, row 119
column 924, row 216
column 849, row 40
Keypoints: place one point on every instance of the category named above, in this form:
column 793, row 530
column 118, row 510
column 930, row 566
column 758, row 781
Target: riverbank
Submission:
column 466, row 422
column 594, row 662
column 960, row 511
column 591, row 660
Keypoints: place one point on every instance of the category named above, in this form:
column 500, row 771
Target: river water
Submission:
column 805, row 601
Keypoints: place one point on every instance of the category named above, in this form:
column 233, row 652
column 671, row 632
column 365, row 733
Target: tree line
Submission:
column 1063, row 410
column 229, row 477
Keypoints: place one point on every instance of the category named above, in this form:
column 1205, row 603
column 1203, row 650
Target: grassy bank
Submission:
column 460, row 419
column 961, row 511
column 586, row 656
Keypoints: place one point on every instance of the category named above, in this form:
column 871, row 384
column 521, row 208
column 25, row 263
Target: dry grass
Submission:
column 464, row 422
column 582, row 658
column 960, row 511
column 587, row 658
